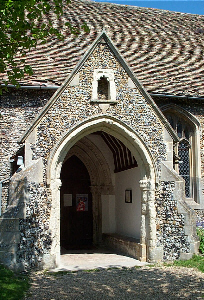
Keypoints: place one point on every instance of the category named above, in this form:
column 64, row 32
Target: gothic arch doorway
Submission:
column 83, row 155
column 76, row 219
column 75, row 143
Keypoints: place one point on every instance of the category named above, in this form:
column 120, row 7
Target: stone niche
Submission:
column 103, row 86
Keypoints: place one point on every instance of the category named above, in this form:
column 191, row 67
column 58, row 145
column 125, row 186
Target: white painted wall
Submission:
column 128, row 215
column 118, row 216
column 108, row 214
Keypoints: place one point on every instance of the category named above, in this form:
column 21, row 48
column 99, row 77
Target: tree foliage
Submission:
column 23, row 23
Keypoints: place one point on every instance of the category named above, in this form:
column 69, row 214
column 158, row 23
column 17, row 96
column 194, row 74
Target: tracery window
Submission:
column 184, row 164
column 183, row 148
column 186, row 151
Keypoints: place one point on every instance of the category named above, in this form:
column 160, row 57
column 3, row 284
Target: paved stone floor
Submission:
column 95, row 259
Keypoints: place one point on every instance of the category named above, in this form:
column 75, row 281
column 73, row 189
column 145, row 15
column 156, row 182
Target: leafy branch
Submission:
column 23, row 24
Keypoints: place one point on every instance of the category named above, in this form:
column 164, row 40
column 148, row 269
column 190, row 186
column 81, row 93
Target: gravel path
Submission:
column 147, row 283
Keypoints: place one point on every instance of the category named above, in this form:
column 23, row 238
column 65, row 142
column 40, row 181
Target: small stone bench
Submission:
column 123, row 244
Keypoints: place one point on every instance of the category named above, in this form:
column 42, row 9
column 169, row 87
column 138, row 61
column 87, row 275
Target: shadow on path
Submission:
column 134, row 283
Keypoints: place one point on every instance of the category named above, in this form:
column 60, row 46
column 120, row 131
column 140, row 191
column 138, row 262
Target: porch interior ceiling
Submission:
column 123, row 158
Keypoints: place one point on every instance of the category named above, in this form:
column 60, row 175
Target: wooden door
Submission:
column 76, row 230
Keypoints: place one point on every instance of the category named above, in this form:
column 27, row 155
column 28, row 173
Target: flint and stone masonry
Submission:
column 57, row 129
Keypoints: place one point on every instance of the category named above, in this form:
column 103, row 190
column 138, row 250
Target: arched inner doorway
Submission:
column 101, row 168
column 76, row 220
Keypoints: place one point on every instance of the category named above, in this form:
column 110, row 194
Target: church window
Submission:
column 184, row 164
column 186, row 150
column 179, row 129
column 183, row 148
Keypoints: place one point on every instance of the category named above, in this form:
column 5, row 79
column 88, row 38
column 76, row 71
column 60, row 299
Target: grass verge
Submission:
column 197, row 261
column 13, row 286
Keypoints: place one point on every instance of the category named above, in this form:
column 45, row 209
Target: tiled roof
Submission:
column 164, row 49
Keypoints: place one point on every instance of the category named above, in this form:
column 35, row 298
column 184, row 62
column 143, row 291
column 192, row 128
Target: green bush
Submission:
column 200, row 233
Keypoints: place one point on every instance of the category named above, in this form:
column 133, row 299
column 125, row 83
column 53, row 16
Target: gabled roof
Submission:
column 103, row 36
column 164, row 49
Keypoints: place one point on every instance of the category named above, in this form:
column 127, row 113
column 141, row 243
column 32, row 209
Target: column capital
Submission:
column 56, row 184
column 96, row 189
column 146, row 184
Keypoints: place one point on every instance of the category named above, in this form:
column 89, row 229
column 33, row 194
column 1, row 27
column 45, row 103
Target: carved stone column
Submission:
column 144, row 189
column 148, row 220
column 97, row 214
column 151, row 225
column 55, row 186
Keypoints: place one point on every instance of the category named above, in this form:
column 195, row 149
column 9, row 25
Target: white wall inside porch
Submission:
column 118, row 216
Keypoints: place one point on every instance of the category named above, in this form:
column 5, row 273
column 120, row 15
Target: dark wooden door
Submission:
column 76, row 230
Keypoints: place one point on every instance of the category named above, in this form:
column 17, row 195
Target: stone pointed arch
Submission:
column 95, row 163
column 181, row 111
column 144, row 159
column 107, row 124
